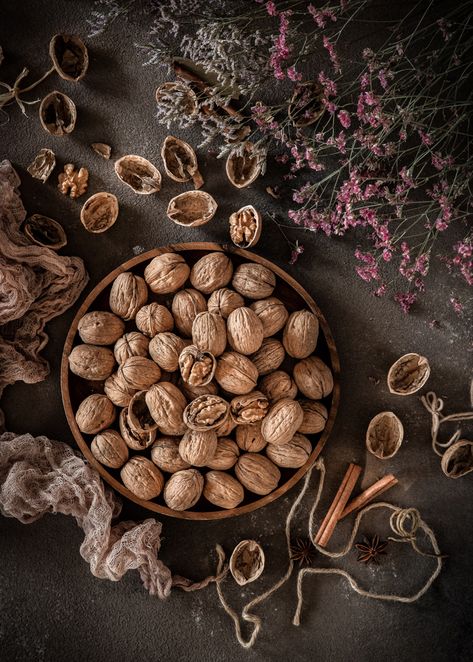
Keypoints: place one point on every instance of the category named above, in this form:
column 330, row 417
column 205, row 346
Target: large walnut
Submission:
column 154, row 318
column 197, row 447
column 278, row 385
column 142, row 477
column 272, row 314
column 166, row 273
column 131, row 344
column 249, row 438
column 211, row 272
column 257, row 473
column 95, row 413
column 236, row 373
column 224, row 301
column 225, row 456
column 100, row 328
column 128, row 294
column 254, row 281
column 166, row 404
column 165, row 455
column 282, row 422
column 313, row 378
column 223, row 490
column 315, row 416
column 244, row 330
column 186, row 305
column 165, row 349
column 183, row 489
column 109, row 449
column 300, row 334
column 91, row 362
column 269, row 356
column 118, row 391
column 138, row 373
column 292, row 455
column 209, row 333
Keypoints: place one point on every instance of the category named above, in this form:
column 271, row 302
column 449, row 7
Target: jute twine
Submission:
column 434, row 406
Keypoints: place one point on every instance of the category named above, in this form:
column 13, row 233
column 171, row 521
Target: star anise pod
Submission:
column 303, row 551
column 371, row 549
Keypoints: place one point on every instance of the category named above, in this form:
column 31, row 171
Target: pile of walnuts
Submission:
column 195, row 372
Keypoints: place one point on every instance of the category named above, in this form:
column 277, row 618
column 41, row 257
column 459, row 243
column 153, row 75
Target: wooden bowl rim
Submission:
column 84, row 447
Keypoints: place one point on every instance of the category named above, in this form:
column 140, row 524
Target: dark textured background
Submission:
column 51, row 607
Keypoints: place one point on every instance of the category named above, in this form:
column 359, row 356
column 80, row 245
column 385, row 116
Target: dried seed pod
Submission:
column 186, row 305
column 245, row 227
column 211, row 272
column 457, row 461
column 139, row 373
column 225, row 456
column 244, row 165
column 209, row 333
column 102, row 149
column 235, row 373
column 109, row 449
column 315, row 417
column 192, row 208
column 136, row 439
column 99, row 212
column 313, row 378
column 254, row 281
column 300, row 334
column 142, row 477
column 249, row 438
column 154, row 318
column 139, row 174
column 244, row 331
column 183, row 489
column 91, row 362
column 408, row 374
column 57, row 114
column 223, row 490
column 197, row 447
column 224, row 301
column 292, row 455
column 43, row 164
column 69, row 55
column 206, row 412
column 257, row 473
column 118, row 392
column 165, row 455
column 272, row 314
column 140, row 420
column 165, row 349
column 95, row 413
column 100, row 327
column 247, row 562
column 282, row 422
column 197, row 368
column 306, row 104
column 249, row 408
column 45, row 231
column 177, row 96
column 166, row 273
column 166, row 404
column 193, row 392
column 384, row 435
column 131, row 344
column 269, row 356
column 278, row 385
column 128, row 294
column 180, row 161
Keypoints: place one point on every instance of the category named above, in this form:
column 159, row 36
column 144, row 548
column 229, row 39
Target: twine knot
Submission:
column 405, row 522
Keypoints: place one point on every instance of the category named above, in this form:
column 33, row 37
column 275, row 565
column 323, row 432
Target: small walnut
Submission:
column 154, row 318
column 223, row 490
column 211, row 272
column 226, row 428
column 244, row 330
column 225, row 455
column 257, row 473
column 408, row 374
column 95, row 413
column 193, row 392
column 247, row 562
column 300, row 334
column 100, row 328
column 192, row 208
column 269, row 356
column 292, row 455
column 272, row 314
column 99, row 212
column 206, row 412
column 128, row 294
column 109, row 449
column 142, row 477
column 384, row 435
column 165, row 455
column 118, row 392
column 166, row 273
column 186, row 305
column 209, row 333
column 313, row 378
column 139, row 416
column 91, row 362
column 166, row 404
column 315, row 417
column 43, row 164
column 249, row 438
column 249, row 408
column 236, row 373
column 197, row 368
column 139, row 174
column 136, row 439
column 131, row 344
column 165, row 349
column 282, row 422
column 254, row 281
column 57, row 114
column 197, row 447
column 245, row 227
column 183, row 489
column 224, row 301
column 139, row 373
column 278, row 385
column 73, row 182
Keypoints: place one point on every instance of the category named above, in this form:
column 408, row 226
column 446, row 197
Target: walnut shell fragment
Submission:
column 136, row 439
column 197, row 368
column 57, row 114
column 245, row 227
column 42, row 165
column 139, row 415
column 177, row 96
column 244, row 165
column 457, row 461
column 139, row 174
column 206, row 412
column 69, row 55
column 384, row 435
column 99, row 212
column 408, row 374
column 247, row 562
column 45, row 231
column 180, row 161
column 192, row 208
column 102, row 149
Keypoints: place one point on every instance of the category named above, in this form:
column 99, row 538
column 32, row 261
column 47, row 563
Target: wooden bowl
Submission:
column 74, row 389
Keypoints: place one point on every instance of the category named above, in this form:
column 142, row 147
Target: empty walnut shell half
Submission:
column 139, row 416
column 178, row 96
column 384, row 435
column 244, row 165
column 245, row 227
column 457, row 461
column 57, row 114
column 99, row 212
column 247, row 562
column 139, row 174
column 408, row 374
column 180, row 161
column 197, row 368
column 42, row 165
column 69, row 55
column 192, row 208
column 45, row 231
column 306, row 104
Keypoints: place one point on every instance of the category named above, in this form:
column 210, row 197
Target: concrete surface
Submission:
column 51, row 607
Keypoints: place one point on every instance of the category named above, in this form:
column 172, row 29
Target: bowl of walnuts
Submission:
column 200, row 380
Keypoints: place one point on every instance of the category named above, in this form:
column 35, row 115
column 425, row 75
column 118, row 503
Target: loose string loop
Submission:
column 434, row 406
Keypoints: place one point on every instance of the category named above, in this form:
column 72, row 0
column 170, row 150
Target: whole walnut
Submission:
column 192, row 391
column 257, row 473
column 91, row 362
column 224, row 301
column 95, row 413
column 128, row 294
column 118, row 391
column 165, row 455
column 109, row 449
column 254, row 281
column 313, row 378
column 131, row 344
column 249, row 438
column 272, row 314
column 211, row 272
column 183, row 489
column 142, row 477
column 138, row 373
column 315, row 416
column 223, row 490
column 166, row 404
column 136, row 439
column 206, row 412
column 165, row 349
column 244, row 331
column 235, row 373
column 209, row 333
column 282, row 422
column 278, row 385
column 154, row 318
column 269, row 356
column 166, row 273
column 300, row 334
column 138, row 414
column 186, row 305
column 225, row 456
column 249, row 408
column 292, row 455
column 197, row 447
column 100, row 327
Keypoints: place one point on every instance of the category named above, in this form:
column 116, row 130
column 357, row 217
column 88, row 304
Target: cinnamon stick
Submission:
column 338, row 505
column 369, row 494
